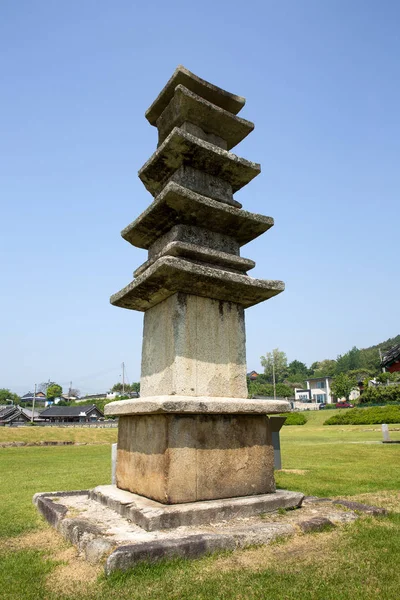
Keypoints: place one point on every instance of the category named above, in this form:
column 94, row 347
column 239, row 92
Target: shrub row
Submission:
column 381, row 394
column 295, row 418
column 366, row 416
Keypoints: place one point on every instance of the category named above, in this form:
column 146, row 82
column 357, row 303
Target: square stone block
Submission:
column 175, row 458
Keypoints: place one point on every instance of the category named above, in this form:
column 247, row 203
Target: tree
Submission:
column 267, row 389
column 349, row 361
column 128, row 387
column 324, row 368
column 6, row 395
column 298, row 368
column 42, row 387
column 275, row 360
column 54, row 391
column 343, row 385
column 74, row 392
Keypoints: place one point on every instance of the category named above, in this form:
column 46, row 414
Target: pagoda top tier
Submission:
column 194, row 228
column 202, row 88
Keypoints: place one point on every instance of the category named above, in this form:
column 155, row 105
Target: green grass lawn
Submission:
column 84, row 435
column 357, row 562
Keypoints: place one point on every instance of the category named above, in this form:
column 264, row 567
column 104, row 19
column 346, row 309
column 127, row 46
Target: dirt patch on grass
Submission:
column 385, row 499
column 74, row 575
column 286, row 555
column 295, row 471
column 42, row 539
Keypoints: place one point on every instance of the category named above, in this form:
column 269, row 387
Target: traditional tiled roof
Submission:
column 69, row 411
column 391, row 356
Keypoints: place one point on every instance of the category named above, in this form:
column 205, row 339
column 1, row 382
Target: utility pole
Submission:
column 380, row 358
column 33, row 404
column 69, row 391
column 123, row 378
column 273, row 374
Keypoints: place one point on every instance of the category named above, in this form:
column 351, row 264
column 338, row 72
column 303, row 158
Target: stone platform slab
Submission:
column 100, row 534
column 152, row 516
column 195, row 405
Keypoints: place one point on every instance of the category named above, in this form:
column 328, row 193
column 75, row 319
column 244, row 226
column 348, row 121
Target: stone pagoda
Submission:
column 193, row 435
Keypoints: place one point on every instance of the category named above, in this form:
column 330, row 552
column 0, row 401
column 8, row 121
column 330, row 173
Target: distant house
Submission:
column 72, row 414
column 319, row 389
column 391, row 360
column 302, row 395
column 252, row 375
column 16, row 414
column 39, row 396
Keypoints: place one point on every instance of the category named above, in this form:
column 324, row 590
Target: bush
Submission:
column 295, row 418
column 267, row 389
column 381, row 394
column 366, row 416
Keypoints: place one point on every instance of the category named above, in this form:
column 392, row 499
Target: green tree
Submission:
column 275, row 360
column 343, row 385
column 349, row 361
column 298, row 368
column 267, row 389
column 54, row 390
column 6, row 394
column 128, row 387
column 388, row 377
column 324, row 368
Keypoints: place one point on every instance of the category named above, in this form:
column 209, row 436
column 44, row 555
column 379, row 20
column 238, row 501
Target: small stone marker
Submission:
column 113, row 463
column 385, row 432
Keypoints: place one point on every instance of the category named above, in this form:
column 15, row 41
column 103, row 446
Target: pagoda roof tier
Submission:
column 179, row 205
column 210, row 92
column 185, row 106
column 182, row 148
column 169, row 275
column 198, row 253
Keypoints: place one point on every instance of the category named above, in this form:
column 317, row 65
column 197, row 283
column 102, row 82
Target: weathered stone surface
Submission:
column 177, row 205
column 199, row 236
column 204, row 184
column 315, row 524
column 97, row 549
column 51, row 511
column 197, row 405
column 218, row 126
column 210, row 92
column 364, row 508
column 200, row 254
column 185, row 458
column 193, row 546
column 315, row 499
column 186, row 529
column 169, row 275
column 152, row 515
column 182, row 148
column 178, row 359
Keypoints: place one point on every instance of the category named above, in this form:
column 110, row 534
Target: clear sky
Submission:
column 322, row 84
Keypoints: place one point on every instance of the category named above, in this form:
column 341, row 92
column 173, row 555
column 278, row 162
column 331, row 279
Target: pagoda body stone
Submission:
column 193, row 435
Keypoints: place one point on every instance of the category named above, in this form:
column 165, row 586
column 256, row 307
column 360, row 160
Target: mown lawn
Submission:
column 357, row 562
column 82, row 435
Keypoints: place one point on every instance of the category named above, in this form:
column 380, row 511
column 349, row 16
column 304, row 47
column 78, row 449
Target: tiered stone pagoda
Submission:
column 193, row 434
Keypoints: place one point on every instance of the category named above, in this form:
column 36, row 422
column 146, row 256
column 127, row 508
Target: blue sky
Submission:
column 322, row 84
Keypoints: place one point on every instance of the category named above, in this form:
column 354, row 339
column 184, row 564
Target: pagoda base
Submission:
column 181, row 457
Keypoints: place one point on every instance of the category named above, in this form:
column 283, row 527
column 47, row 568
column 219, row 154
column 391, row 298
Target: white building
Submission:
column 318, row 391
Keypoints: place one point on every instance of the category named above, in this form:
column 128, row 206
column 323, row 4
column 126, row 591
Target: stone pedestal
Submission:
column 193, row 435
column 184, row 458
